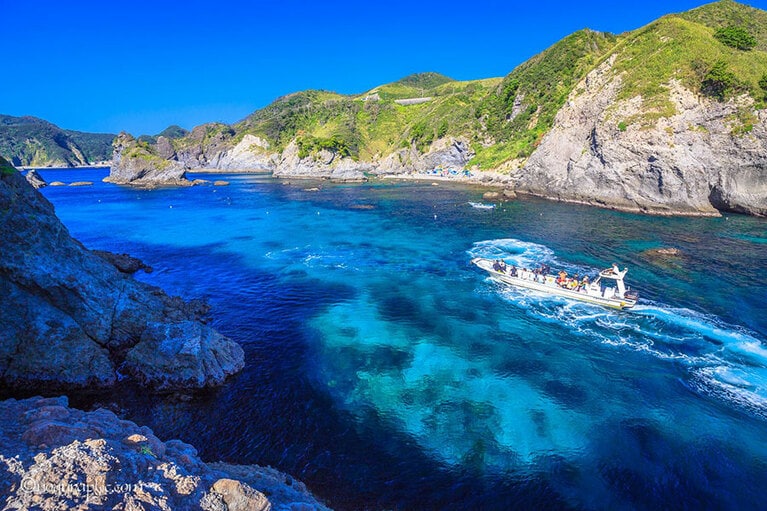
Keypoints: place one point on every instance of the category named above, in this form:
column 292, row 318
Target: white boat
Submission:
column 480, row 205
column 608, row 289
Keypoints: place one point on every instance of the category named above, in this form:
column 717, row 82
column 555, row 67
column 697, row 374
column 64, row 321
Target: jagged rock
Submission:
column 165, row 148
column 447, row 152
column 251, row 153
column 509, row 194
column 323, row 164
column 689, row 163
column 56, row 457
column 491, row 195
column 57, row 183
column 69, row 319
column 136, row 164
column 220, row 182
column 81, row 183
column 123, row 262
column 34, row 178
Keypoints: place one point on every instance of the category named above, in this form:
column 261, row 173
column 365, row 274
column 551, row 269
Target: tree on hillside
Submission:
column 719, row 81
column 736, row 37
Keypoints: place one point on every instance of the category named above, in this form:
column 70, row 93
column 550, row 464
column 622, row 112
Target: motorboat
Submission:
column 481, row 205
column 608, row 289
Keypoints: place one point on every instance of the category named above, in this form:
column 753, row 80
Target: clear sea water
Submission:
column 388, row 373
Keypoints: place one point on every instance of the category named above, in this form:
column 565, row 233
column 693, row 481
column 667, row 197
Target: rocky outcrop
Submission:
column 251, row 153
column 70, row 319
column 123, row 262
column 447, row 152
column 697, row 161
column 56, row 457
column 34, row 178
column 322, row 164
column 140, row 164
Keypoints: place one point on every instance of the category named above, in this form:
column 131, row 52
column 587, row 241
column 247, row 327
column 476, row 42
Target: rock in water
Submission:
column 35, row 180
column 69, row 319
column 123, row 262
column 143, row 165
column 56, row 457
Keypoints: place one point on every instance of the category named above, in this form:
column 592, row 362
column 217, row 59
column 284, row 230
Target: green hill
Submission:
column 717, row 50
column 29, row 141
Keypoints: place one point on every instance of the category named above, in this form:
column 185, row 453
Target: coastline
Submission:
column 486, row 179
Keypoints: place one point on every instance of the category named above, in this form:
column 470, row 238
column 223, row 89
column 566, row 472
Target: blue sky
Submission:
column 142, row 65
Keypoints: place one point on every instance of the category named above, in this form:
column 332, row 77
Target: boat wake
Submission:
column 723, row 360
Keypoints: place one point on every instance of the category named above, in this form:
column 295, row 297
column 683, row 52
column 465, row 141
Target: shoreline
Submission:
column 486, row 179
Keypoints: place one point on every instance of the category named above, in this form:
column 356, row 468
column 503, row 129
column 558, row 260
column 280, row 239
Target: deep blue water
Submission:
column 387, row 373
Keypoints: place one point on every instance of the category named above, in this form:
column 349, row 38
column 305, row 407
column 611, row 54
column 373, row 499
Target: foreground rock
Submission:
column 55, row 457
column 70, row 319
column 34, row 178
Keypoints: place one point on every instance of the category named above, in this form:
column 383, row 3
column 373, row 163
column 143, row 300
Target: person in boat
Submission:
column 562, row 279
column 497, row 265
column 584, row 283
column 513, row 271
column 502, row 264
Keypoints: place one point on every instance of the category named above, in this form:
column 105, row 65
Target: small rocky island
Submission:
column 74, row 319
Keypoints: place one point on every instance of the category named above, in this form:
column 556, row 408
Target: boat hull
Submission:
column 614, row 303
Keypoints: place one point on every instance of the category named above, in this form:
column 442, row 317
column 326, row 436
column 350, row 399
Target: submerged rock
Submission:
column 70, row 319
column 35, row 179
column 56, row 457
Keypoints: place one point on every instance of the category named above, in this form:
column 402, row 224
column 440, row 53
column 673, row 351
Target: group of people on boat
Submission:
column 542, row 276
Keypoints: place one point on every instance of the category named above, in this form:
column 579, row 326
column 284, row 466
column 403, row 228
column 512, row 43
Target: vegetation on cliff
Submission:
column 29, row 141
column 717, row 50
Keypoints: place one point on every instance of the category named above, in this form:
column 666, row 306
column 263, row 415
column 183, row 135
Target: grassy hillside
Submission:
column 31, row 141
column 685, row 47
column 372, row 123
column 717, row 50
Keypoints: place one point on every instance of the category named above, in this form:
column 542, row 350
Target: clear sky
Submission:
column 142, row 65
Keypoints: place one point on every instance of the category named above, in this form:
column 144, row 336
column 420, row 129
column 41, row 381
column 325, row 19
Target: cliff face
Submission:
column 69, row 319
column 695, row 161
column 55, row 457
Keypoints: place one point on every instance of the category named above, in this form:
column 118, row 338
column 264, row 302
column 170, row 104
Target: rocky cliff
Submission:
column 665, row 119
column 696, row 160
column 69, row 319
column 56, row 457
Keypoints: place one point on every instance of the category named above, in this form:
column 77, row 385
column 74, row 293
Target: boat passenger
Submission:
column 513, row 271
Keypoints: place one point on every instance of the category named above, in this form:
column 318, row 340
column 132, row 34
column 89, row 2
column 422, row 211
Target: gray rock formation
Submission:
column 694, row 162
column 324, row 164
column 56, row 457
column 70, row 319
column 34, row 178
column 140, row 165
column 448, row 152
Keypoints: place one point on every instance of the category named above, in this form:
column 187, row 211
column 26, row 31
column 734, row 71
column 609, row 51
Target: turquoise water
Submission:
column 388, row 373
